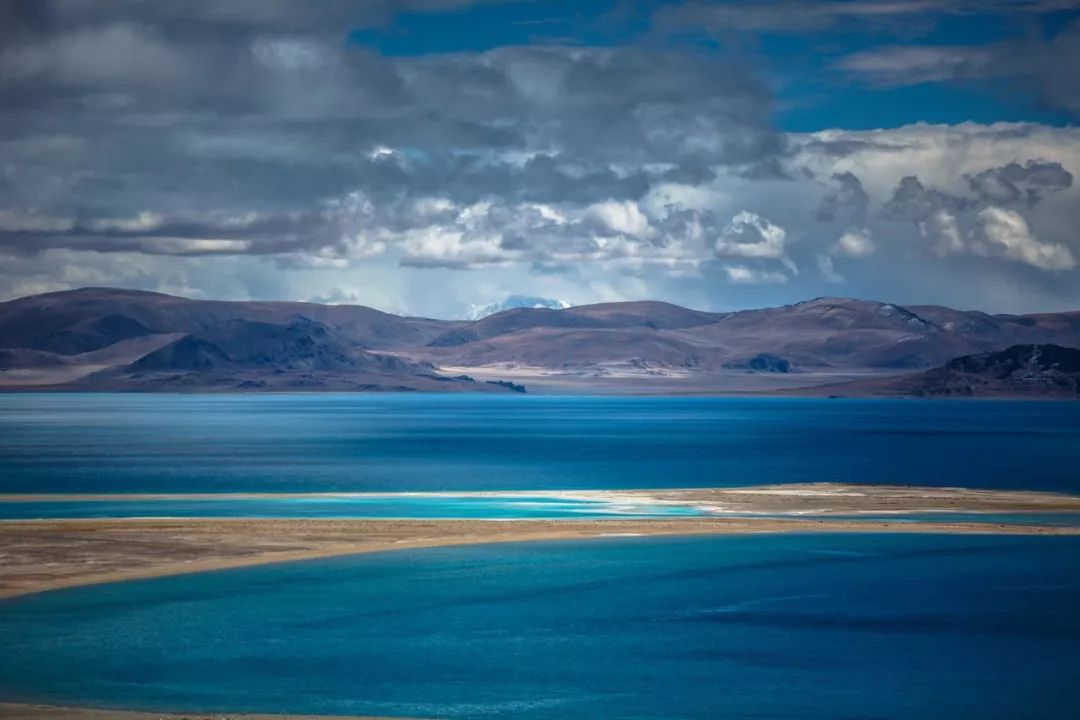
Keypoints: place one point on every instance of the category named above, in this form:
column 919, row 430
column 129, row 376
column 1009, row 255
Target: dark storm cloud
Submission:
column 1028, row 183
column 191, row 109
column 155, row 235
column 189, row 112
column 846, row 197
column 912, row 201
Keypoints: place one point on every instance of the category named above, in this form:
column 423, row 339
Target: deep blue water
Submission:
column 789, row 626
column 312, row 443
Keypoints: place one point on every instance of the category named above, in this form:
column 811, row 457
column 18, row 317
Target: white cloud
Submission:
column 1007, row 233
column 942, row 227
column 620, row 217
column 855, row 243
column 143, row 222
column 910, row 65
column 743, row 275
column 749, row 235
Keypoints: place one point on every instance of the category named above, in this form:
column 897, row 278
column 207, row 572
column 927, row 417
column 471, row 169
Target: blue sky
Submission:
column 431, row 156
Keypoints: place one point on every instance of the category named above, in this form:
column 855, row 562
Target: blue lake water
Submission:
column 787, row 626
column 312, row 443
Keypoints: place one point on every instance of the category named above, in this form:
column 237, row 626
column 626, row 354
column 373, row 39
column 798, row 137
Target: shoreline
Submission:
column 38, row 711
column 38, row 555
column 42, row 556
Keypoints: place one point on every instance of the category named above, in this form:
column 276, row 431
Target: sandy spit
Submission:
column 40, row 555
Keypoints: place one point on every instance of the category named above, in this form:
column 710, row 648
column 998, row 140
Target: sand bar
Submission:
column 41, row 555
column 38, row 555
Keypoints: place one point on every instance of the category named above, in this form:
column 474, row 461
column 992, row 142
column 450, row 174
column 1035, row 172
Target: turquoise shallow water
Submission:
column 319, row 443
column 790, row 626
column 441, row 506
column 519, row 507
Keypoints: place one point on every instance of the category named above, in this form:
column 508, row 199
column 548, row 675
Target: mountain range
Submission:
column 111, row 339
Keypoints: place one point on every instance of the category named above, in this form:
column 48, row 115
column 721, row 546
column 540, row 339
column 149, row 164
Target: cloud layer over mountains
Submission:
column 256, row 150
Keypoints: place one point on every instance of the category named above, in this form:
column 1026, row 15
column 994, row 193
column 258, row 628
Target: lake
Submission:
column 63, row 443
column 783, row 626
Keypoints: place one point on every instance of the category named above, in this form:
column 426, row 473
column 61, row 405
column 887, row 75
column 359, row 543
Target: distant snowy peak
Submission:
column 477, row 312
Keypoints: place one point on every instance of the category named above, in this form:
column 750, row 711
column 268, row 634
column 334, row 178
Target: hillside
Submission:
column 122, row 340
column 101, row 338
column 1036, row 371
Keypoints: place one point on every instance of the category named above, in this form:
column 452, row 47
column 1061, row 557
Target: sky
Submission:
column 428, row 157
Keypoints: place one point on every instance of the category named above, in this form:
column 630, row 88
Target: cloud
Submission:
column 827, row 269
column 1034, row 65
column 957, row 224
column 846, row 196
column 400, row 238
column 749, row 235
column 932, row 211
column 719, row 16
column 1005, row 232
column 895, row 66
column 620, row 217
column 207, row 234
column 259, row 129
column 261, row 149
column 1028, row 183
column 217, row 16
column 854, row 243
column 743, row 275
column 129, row 117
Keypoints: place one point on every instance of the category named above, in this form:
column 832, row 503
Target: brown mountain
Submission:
column 103, row 339
column 120, row 339
column 1037, row 371
column 826, row 335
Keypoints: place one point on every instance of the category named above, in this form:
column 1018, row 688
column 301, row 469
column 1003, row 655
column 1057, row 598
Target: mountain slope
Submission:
column 1019, row 371
column 95, row 337
column 91, row 318
column 250, row 355
column 122, row 340
column 821, row 335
